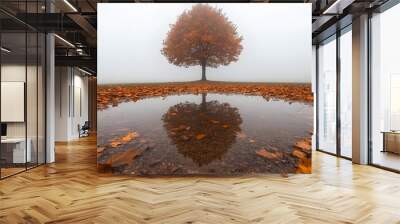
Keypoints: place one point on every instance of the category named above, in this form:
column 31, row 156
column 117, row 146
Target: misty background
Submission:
column 276, row 43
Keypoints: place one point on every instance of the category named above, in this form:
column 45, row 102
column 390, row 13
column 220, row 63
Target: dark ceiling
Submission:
column 75, row 21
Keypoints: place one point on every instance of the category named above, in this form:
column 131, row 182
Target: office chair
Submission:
column 84, row 130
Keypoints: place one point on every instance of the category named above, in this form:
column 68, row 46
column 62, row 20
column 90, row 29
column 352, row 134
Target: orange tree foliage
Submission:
column 202, row 36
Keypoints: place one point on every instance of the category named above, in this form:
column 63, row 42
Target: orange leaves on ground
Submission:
column 129, row 137
column 114, row 95
column 180, row 128
column 115, row 143
column 122, row 158
column 119, row 158
column 269, row 155
column 302, row 150
column 299, row 154
column 304, row 168
column 304, row 145
column 122, row 140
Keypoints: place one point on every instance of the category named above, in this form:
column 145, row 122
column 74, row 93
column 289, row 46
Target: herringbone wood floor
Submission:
column 72, row 191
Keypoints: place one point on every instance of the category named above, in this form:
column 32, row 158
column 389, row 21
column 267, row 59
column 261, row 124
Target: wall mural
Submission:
column 204, row 89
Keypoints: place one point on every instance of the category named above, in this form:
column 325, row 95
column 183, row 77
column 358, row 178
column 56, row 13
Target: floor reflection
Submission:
column 203, row 132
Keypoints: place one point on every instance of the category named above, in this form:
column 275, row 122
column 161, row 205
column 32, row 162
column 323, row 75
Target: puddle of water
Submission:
column 213, row 134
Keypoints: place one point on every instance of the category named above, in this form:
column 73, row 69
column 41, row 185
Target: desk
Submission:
column 18, row 150
column 391, row 141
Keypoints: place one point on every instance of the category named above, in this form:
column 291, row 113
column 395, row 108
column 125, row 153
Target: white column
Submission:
column 314, row 91
column 360, row 90
column 50, row 98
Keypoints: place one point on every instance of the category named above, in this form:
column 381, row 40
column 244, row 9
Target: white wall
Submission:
column 15, row 72
column 33, row 126
column 12, row 73
column 62, row 83
column 79, row 117
column 70, row 83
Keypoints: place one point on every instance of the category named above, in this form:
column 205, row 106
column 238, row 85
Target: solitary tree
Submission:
column 202, row 36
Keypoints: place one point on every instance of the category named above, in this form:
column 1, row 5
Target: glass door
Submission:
column 385, row 89
column 327, row 96
column 346, row 93
column 14, row 153
column 22, row 77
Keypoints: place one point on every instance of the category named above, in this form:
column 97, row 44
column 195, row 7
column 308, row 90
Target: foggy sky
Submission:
column 276, row 43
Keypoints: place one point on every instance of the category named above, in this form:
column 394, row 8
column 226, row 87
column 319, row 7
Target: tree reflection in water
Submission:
column 202, row 132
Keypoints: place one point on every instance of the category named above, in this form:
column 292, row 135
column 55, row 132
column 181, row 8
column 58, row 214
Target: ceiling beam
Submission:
column 84, row 61
column 338, row 6
column 86, row 26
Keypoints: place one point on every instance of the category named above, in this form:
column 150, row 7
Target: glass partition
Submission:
column 13, row 94
column 22, row 78
column 346, row 94
column 385, row 89
column 327, row 96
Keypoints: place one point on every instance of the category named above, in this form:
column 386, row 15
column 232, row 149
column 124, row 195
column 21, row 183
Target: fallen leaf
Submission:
column 299, row 154
column 241, row 135
column 304, row 145
column 269, row 155
column 116, row 142
column 123, row 158
column 200, row 136
column 129, row 137
column 304, row 168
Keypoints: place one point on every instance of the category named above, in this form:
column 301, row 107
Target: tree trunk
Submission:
column 203, row 71
column 203, row 98
column 203, row 104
